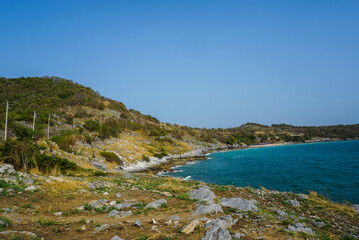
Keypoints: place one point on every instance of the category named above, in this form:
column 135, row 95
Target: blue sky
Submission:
column 197, row 63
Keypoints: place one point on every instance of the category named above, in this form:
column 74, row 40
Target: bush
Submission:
column 112, row 157
column 65, row 141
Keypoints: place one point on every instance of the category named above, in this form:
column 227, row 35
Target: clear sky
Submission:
column 198, row 63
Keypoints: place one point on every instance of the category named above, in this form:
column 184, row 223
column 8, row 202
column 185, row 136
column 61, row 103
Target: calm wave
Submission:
column 331, row 169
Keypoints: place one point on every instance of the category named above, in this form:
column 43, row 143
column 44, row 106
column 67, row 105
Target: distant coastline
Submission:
column 167, row 164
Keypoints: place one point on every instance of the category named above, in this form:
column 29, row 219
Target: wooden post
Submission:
column 48, row 129
column 33, row 125
column 7, row 112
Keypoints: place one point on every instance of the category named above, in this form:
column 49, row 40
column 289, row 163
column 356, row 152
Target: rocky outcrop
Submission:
column 240, row 204
column 207, row 209
column 217, row 228
column 299, row 227
column 156, row 204
column 202, row 194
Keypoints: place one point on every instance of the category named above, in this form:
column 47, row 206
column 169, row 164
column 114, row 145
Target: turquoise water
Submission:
column 331, row 169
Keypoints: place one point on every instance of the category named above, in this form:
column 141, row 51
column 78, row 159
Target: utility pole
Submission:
column 33, row 125
column 48, row 129
column 7, row 112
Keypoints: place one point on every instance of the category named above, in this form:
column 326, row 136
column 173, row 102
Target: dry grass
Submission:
column 57, row 188
column 322, row 202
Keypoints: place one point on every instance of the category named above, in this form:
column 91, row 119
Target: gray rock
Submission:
column 98, row 203
column 31, row 188
column 138, row 223
column 175, row 218
column 240, row 204
column 204, row 219
column 99, row 165
column 205, row 209
column 302, row 196
column 26, row 233
column 280, row 212
column 237, row 235
column 120, row 206
column 319, row 224
column 221, row 222
column 156, row 204
column 356, row 207
column 116, row 238
column 102, row 227
column 190, row 226
column 202, row 194
column 217, row 233
column 7, row 169
column 118, row 195
column 299, row 227
column 58, row 213
column 294, row 203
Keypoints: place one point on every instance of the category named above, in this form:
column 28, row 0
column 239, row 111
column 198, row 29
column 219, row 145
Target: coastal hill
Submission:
column 100, row 133
column 72, row 179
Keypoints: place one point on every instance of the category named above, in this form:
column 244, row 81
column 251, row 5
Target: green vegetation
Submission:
column 25, row 154
column 112, row 157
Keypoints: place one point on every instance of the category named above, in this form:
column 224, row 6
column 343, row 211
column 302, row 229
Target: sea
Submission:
column 328, row 168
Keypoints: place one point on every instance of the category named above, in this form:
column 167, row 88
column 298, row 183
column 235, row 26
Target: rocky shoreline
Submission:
column 141, row 206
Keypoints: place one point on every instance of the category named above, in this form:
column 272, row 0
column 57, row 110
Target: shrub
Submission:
column 112, row 157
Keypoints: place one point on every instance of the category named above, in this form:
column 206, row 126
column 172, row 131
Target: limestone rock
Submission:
column 190, row 226
column 356, row 207
column 217, row 233
column 202, row 194
column 31, row 188
column 7, row 169
column 299, row 227
column 280, row 212
column 116, row 238
column 116, row 213
column 102, row 227
column 156, row 204
column 294, row 203
column 175, row 218
column 240, row 204
column 221, row 222
column 138, row 223
column 206, row 209
column 302, row 196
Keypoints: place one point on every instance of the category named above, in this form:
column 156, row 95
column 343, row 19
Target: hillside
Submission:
column 100, row 133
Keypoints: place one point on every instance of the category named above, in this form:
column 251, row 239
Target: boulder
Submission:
column 175, row 218
column 116, row 213
column 280, row 212
column 190, row 226
column 206, row 209
column 294, row 203
column 116, row 238
column 98, row 203
column 217, row 228
column 7, row 169
column 138, row 223
column 302, row 196
column 356, row 208
column 240, row 204
column 156, row 204
column 202, row 194
column 120, row 206
column 299, row 227
column 221, row 222
column 217, row 233
column 102, row 227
